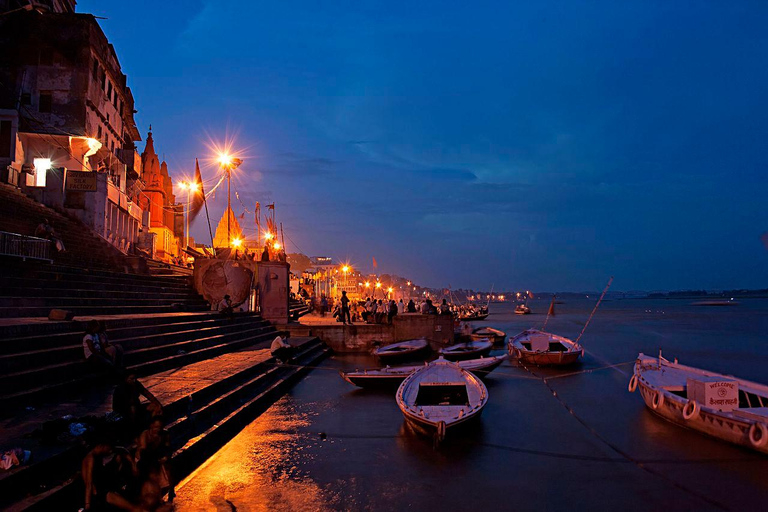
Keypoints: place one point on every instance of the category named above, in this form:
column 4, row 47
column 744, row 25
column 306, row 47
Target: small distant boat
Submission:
column 441, row 397
column 473, row 316
column 494, row 335
column 402, row 350
column 715, row 303
column 522, row 309
column 544, row 349
column 393, row 376
column 469, row 350
column 722, row 406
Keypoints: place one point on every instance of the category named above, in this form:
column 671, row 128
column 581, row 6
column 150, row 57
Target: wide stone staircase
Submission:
column 21, row 215
column 32, row 289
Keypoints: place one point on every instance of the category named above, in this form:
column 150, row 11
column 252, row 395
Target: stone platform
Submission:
column 361, row 337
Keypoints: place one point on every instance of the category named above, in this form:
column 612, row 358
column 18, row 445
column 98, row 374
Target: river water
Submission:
column 330, row 446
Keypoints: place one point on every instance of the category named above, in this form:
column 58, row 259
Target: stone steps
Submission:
column 24, row 291
column 21, row 214
column 199, row 422
column 22, row 388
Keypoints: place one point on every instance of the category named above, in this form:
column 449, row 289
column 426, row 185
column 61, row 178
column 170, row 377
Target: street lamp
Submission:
column 344, row 270
column 228, row 164
column 191, row 187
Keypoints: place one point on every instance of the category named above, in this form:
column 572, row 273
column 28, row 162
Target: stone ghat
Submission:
column 360, row 337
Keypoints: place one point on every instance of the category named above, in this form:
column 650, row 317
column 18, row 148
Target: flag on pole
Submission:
column 375, row 265
column 196, row 203
column 271, row 206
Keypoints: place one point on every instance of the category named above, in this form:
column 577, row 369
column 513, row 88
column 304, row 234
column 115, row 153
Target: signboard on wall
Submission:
column 81, row 181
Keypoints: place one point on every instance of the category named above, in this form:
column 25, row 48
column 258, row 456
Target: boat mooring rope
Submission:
column 639, row 463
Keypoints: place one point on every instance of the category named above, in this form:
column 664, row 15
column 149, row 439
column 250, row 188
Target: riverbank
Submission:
column 528, row 452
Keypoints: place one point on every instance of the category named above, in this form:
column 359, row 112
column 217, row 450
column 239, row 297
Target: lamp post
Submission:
column 344, row 270
column 228, row 164
column 191, row 187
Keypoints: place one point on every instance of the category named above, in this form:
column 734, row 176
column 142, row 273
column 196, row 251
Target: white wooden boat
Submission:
column 402, row 350
column 441, row 397
column 722, row 406
column 469, row 350
column 394, row 376
column 544, row 349
column 494, row 335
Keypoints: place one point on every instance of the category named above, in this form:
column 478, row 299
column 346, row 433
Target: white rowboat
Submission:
column 441, row 397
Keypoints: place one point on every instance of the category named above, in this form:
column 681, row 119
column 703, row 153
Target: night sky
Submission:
column 534, row 145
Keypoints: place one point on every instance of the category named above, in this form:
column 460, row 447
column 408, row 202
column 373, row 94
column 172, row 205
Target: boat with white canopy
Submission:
column 722, row 406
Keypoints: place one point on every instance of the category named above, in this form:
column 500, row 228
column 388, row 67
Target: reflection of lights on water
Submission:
column 274, row 453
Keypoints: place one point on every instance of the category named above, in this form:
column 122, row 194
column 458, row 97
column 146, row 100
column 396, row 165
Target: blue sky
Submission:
column 536, row 145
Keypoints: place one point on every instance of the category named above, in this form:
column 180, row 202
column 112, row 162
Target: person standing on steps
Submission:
column 345, row 316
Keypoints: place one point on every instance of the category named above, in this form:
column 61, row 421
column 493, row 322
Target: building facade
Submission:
column 67, row 130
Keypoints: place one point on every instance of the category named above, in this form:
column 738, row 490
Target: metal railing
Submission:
column 25, row 247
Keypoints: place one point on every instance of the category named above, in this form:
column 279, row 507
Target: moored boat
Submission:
column 403, row 350
column 544, row 349
column 494, row 335
column 469, row 350
column 393, row 376
column 522, row 309
column 440, row 397
column 722, row 406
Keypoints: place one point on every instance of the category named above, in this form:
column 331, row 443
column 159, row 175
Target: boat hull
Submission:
column 404, row 355
column 547, row 358
column 495, row 339
column 470, row 354
column 430, row 429
column 394, row 379
column 570, row 354
column 717, row 424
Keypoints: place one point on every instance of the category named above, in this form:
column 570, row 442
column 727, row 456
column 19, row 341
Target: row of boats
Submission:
column 440, row 396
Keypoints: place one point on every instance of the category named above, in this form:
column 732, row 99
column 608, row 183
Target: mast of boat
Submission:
column 489, row 296
column 550, row 312
column 595, row 309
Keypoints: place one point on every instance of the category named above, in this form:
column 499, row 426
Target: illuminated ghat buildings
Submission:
column 67, row 130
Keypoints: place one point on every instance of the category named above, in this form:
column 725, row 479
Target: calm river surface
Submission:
column 528, row 452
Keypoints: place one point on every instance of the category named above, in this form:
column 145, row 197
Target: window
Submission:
column 103, row 78
column 109, row 90
column 5, row 139
column 26, row 98
column 46, row 101
column 95, row 69
column 114, row 100
column 98, row 133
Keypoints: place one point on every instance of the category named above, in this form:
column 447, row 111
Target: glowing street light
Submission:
column 192, row 187
column 237, row 242
column 228, row 163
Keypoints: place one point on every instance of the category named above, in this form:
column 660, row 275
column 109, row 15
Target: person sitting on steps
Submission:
column 281, row 350
column 96, row 354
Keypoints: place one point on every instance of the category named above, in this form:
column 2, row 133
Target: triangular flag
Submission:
column 375, row 265
column 198, row 194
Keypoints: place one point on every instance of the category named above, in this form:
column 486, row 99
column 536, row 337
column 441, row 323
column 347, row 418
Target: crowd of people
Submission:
column 376, row 311
column 128, row 465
